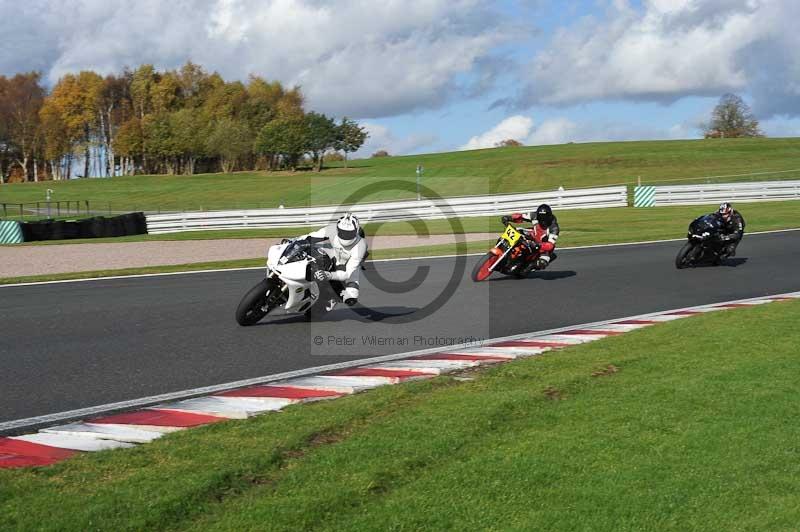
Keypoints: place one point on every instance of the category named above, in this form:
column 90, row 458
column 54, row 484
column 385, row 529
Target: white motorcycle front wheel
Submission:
column 253, row 306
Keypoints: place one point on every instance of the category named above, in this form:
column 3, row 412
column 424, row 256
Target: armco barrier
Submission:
column 10, row 233
column 393, row 211
column 734, row 192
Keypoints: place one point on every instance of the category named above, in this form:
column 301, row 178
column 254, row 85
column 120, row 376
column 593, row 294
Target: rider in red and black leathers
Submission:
column 544, row 232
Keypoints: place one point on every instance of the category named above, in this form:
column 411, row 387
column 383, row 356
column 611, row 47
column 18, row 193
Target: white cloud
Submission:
column 351, row 58
column 514, row 127
column 562, row 130
column 553, row 131
column 382, row 138
column 668, row 49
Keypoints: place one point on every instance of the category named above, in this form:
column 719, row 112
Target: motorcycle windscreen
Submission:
column 704, row 224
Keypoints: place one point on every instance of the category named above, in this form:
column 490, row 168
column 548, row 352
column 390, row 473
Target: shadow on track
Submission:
column 357, row 314
column 727, row 263
column 733, row 263
column 544, row 276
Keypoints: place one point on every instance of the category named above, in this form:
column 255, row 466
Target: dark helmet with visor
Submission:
column 726, row 211
column 544, row 215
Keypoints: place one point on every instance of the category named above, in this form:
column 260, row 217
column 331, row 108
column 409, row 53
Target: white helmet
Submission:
column 347, row 229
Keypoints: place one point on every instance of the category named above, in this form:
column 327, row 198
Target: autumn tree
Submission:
column 159, row 143
column 76, row 101
column 508, row 143
column 128, row 144
column 284, row 138
column 145, row 120
column 22, row 99
column 291, row 103
column 732, row 118
column 142, row 81
column 5, row 143
column 189, row 130
column 115, row 108
column 230, row 141
column 165, row 93
column 57, row 141
column 193, row 83
column 349, row 137
column 322, row 136
column 226, row 101
column 261, row 105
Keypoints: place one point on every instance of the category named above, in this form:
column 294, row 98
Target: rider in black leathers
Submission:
column 732, row 228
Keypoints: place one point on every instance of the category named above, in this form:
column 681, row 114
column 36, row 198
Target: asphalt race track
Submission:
column 73, row 345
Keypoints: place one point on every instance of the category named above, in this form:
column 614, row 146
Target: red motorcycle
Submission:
column 513, row 255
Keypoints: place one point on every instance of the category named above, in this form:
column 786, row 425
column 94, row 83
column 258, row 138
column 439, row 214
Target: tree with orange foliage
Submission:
column 76, row 101
column 22, row 100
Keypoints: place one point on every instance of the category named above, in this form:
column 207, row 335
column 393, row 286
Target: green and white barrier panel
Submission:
column 10, row 233
column 644, row 196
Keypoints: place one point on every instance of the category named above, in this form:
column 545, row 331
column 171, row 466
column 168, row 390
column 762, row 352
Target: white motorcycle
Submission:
column 289, row 283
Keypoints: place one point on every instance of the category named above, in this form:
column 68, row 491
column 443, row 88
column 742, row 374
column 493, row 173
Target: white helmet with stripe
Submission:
column 347, row 230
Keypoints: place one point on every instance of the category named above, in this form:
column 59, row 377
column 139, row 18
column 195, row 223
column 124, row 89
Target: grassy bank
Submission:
column 681, row 426
column 448, row 174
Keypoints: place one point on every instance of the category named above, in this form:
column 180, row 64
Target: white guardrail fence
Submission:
column 467, row 206
column 651, row 196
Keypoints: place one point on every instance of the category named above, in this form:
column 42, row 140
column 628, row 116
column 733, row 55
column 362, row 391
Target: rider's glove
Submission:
column 546, row 238
column 322, row 275
column 286, row 240
column 506, row 220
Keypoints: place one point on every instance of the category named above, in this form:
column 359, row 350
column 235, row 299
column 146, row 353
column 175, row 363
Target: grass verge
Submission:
column 681, row 426
column 448, row 174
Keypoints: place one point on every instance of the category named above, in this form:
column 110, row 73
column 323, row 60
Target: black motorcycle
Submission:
column 705, row 245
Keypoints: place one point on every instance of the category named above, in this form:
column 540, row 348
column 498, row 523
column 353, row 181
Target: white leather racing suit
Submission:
column 348, row 259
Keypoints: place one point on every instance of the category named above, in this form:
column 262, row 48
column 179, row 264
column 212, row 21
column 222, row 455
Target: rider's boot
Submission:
column 542, row 262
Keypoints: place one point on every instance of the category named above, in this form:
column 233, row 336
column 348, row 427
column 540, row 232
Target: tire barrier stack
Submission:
column 97, row 227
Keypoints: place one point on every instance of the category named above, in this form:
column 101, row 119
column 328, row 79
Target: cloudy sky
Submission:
column 437, row 75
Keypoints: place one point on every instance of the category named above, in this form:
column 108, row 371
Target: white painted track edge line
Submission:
column 11, row 427
column 431, row 257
